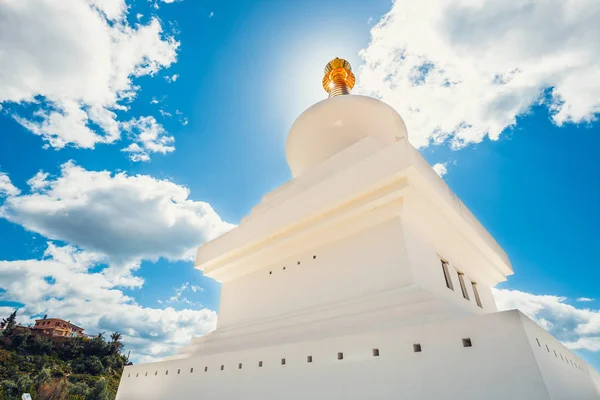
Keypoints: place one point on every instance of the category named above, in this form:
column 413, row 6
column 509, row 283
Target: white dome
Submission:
column 331, row 125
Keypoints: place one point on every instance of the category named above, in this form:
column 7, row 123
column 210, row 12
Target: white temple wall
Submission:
column 566, row 376
column 425, row 261
column 372, row 260
column 501, row 364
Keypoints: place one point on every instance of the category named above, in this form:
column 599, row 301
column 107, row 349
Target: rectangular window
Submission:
column 447, row 274
column 476, row 293
column 463, row 287
column 417, row 347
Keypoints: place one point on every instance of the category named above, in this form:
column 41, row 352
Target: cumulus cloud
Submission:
column 172, row 78
column 577, row 328
column 148, row 136
column 179, row 296
column 6, row 186
column 122, row 216
column 440, row 169
column 74, row 62
column 459, row 70
column 584, row 299
column 66, row 283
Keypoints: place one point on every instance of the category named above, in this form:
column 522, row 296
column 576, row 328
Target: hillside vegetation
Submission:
column 73, row 369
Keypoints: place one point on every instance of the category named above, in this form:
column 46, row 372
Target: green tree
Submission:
column 9, row 323
column 79, row 391
column 100, row 391
column 115, row 342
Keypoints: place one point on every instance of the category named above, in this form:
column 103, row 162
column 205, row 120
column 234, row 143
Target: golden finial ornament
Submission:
column 338, row 79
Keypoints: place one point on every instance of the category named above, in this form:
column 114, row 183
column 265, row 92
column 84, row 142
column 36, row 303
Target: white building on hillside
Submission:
column 364, row 277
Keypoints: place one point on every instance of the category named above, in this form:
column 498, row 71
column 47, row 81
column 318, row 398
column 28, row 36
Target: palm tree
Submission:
column 115, row 342
column 115, row 337
column 8, row 323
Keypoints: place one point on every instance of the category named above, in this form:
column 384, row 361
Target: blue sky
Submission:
column 158, row 124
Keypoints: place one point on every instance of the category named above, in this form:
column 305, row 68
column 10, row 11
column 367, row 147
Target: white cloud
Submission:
column 122, row 216
column 39, row 181
column 440, row 169
column 165, row 113
column 179, row 297
column 156, row 6
column 584, row 299
column 172, row 78
column 148, row 136
column 577, row 328
column 63, row 285
column 212, row 14
column 459, row 70
column 75, row 61
column 6, row 186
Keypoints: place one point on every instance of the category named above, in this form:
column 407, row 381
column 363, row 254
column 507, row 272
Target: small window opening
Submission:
column 146, row 374
column 555, row 353
column 417, row 348
column 129, row 375
column 155, row 373
column 314, row 257
column 375, row 352
column 240, row 366
column 538, row 342
column 178, row 371
column 167, row 372
column 561, row 357
column 138, row 374
column 463, row 287
column 284, row 268
column 222, row 367
column 191, row 370
column 283, row 361
column 340, row 356
column 476, row 293
column 270, row 272
column 309, row 359
column 205, row 369
column 447, row 275
column 467, row 342
column 260, row 364
column 298, row 262
column 548, row 348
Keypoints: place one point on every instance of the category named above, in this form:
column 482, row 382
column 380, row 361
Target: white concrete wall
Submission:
column 368, row 262
column 425, row 256
column 566, row 375
column 500, row 365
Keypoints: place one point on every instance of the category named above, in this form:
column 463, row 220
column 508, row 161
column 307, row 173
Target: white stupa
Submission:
column 364, row 277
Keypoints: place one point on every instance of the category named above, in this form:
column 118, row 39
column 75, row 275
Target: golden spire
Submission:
column 338, row 79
